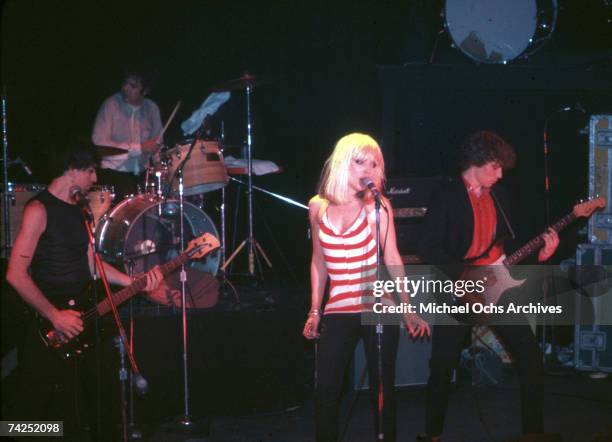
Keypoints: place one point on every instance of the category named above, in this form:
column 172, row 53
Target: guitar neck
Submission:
column 537, row 242
column 137, row 286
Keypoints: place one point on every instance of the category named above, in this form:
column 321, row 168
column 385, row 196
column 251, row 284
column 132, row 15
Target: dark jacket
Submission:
column 447, row 229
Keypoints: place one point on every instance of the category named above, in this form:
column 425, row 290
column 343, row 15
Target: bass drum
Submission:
column 143, row 231
column 499, row 31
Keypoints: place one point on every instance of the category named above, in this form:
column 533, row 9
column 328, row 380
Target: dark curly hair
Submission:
column 77, row 153
column 485, row 146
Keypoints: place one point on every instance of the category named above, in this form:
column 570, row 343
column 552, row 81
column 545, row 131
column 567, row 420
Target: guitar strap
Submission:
column 503, row 213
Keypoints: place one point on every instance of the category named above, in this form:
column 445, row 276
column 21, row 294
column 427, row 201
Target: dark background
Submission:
column 334, row 67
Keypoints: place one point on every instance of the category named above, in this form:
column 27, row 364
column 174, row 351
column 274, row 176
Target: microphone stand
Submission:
column 134, row 432
column 185, row 422
column 546, row 150
column 379, row 330
column 6, row 195
column 6, row 184
column 121, row 340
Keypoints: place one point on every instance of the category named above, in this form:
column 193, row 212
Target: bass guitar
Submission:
column 197, row 248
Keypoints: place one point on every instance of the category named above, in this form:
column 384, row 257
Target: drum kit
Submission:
column 147, row 229
column 144, row 230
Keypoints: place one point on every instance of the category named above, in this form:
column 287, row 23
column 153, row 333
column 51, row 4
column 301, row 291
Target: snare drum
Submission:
column 100, row 200
column 498, row 31
column 19, row 195
column 203, row 172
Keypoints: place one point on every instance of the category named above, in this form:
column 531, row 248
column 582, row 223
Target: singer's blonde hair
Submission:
column 333, row 184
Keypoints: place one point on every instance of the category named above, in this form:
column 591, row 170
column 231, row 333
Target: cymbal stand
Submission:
column 253, row 247
column 223, row 249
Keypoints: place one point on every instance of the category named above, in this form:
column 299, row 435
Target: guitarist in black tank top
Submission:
column 52, row 258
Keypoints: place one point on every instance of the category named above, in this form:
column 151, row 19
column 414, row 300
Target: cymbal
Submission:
column 108, row 151
column 241, row 83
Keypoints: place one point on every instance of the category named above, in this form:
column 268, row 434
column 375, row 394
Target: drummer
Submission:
column 127, row 120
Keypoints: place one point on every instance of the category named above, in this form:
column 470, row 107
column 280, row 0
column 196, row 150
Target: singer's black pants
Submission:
column 339, row 336
column 51, row 388
column 519, row 340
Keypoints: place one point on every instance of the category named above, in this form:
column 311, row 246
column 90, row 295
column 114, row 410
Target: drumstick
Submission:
column 161, row 134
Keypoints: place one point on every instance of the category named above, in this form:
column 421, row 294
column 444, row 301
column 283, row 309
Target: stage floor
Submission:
column 578, row 408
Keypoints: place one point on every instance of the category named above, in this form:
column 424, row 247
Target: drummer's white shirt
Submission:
column 120, row 124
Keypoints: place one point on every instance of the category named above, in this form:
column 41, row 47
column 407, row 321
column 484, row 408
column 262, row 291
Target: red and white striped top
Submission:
column 350, row 259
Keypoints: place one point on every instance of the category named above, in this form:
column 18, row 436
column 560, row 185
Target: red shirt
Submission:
column 485, row 221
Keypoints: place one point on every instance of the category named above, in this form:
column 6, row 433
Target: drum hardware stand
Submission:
column 223, row 249
column 224, row 280
column 275, row 195
column 253, row 247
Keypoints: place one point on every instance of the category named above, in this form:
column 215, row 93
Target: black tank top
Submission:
column 60, row 262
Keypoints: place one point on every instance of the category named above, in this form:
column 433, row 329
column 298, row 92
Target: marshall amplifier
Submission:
column 410, row 198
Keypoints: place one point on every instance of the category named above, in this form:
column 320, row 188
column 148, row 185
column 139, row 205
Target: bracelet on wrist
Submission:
column 314, row 312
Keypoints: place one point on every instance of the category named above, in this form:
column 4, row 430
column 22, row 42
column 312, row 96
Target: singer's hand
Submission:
column 417, row 327
column 311, row 328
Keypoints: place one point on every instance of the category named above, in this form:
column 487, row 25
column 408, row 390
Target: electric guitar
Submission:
column 498, row 278
column 197, row 248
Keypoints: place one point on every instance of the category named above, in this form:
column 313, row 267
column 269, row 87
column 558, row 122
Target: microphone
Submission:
column 140, row 383
column 367, row 182
column 77, row 195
